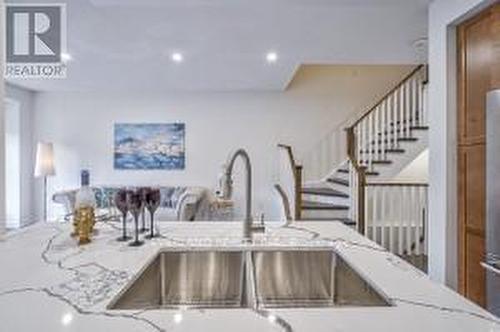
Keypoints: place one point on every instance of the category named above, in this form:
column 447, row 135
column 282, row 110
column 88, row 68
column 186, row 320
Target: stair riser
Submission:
column 341, row 175
column 336, row 200
column 338, row 187
column 325, row 213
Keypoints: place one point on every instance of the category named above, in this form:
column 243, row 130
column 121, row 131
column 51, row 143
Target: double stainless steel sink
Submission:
column 248, row 278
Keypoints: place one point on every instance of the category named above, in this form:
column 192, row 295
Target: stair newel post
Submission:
column 351, row 145
column 361, row 171
column 426, row 74
column 360, row 175
column 298, row 191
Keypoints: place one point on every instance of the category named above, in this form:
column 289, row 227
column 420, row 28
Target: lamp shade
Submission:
column 44, row 165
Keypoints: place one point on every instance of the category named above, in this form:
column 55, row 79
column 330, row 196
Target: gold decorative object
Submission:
column 83, row 223
column 75, row 225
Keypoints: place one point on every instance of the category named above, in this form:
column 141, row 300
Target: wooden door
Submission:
column 478, row 73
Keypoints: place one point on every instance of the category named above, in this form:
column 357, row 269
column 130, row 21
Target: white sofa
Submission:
column 177, row 203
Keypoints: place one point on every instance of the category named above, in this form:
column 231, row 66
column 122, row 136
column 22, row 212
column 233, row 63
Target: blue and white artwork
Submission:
column 149, row 146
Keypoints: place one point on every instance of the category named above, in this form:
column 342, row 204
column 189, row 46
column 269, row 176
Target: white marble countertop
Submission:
column 48, row 283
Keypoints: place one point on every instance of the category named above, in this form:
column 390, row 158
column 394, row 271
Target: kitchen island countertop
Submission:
column 48, row 283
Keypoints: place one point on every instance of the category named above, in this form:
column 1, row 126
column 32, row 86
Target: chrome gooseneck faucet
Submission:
column 247, row 223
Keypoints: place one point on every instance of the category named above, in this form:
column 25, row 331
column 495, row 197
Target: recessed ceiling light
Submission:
column 66, row 319
column 177, row 57
column 272, row 57
column 65, row 57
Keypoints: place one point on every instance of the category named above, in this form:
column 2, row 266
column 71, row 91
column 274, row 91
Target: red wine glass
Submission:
column 143, row 191
column 122, row 203
column 153, row 199
column 136, row 206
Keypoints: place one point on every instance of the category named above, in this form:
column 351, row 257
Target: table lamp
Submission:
column 44, row 167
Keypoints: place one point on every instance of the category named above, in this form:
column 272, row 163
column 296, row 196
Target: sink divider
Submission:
column 163, row 286
column 250, row 290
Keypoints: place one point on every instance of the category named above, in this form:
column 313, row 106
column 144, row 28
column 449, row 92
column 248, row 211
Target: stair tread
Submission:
column 391, row 131
column 397, row 122
column 382, row 162
column 310, row 205
column 339, row 181
column 343, row 170
column 379, row 162
column 324, row 191
column 345, row 221
column 395, row 150
column 400, row 139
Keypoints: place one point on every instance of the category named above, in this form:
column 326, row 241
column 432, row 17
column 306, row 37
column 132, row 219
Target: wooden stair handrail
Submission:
column 288, row 148
column 297, row 173
column 403, row 81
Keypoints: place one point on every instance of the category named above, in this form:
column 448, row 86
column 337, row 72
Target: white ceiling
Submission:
column 125, row 44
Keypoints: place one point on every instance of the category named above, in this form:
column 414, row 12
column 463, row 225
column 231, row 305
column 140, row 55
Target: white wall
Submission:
column 81, row 127
column 12, row 163
column 416, row 171
column 25, row 99
column 443, row 17
column 2, row 106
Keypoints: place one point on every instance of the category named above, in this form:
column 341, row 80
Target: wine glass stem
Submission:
column 136, row 217
column 143, row 217
column 152, row 224
column 124, row 225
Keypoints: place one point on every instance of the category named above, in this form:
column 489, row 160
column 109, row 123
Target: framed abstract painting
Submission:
column 149, row 146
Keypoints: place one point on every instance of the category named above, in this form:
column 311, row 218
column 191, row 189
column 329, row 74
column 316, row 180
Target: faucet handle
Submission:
column 259, row 227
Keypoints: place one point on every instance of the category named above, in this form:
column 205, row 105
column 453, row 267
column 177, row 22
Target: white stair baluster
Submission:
column 400, row 219
column 370, row 140
column 421, row 106
column 391, row 218
column 426, row 220
column 363, row 142
column 414, row 107
column 383, row 216
column 383, row 132
column 375, row 133
column 418, row 219
column 425, row 110
column 357, row 144
column 409, row 117
column 394, row 119
column 366, row 208
column 409, row 208
column 375, row 219
column 388, row 123
column 351, row 191
column 401, row 110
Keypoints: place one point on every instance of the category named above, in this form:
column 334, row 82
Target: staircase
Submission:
column 358, row 192
column 383, row 141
